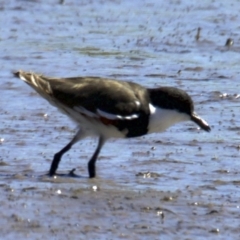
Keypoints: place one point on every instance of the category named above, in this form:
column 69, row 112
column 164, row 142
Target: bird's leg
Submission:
column 92, row 161
column 57, row 157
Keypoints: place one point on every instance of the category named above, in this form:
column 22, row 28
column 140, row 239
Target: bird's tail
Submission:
column 38, row 82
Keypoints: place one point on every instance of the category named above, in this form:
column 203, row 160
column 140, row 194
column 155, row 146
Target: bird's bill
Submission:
column 200, row 122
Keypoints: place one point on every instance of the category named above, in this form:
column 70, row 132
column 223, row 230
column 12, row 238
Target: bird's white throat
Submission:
column 161, row 119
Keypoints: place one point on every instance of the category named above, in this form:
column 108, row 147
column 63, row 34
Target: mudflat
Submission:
column 180, row 184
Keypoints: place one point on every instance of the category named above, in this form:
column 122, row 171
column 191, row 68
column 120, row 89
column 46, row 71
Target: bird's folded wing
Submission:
column 97, row 97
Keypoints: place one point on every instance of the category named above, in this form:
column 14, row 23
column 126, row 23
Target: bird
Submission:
column 108, row 108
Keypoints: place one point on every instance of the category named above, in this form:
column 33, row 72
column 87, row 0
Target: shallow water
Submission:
column 181, row 184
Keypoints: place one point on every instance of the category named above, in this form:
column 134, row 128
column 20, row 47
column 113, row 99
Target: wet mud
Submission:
column 180, row 184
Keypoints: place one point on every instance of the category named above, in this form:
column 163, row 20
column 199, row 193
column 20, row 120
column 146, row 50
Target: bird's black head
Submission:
column 172, row 98
column 176, row 99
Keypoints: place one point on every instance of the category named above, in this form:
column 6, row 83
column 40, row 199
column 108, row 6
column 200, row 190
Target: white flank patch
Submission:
column 85, row 111
column 91, row 125
column 116, row 117
column 161, row 119
column 101, row 113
